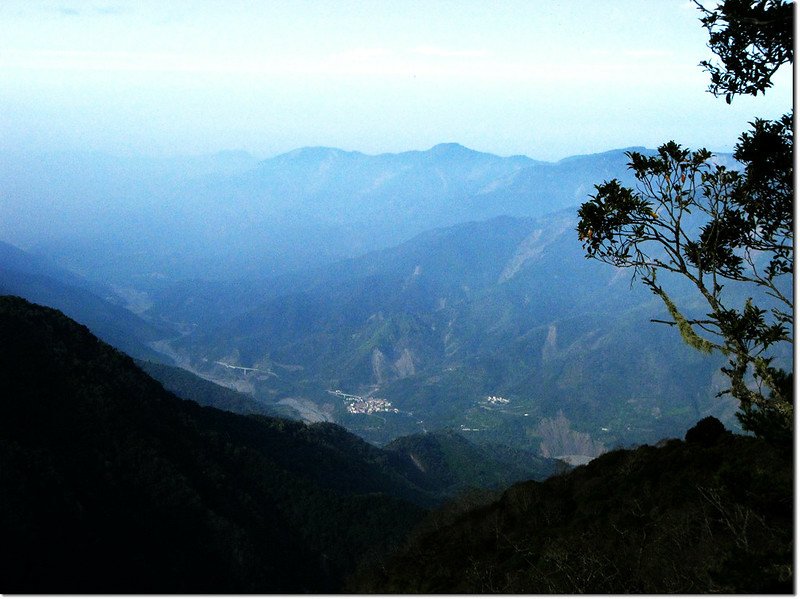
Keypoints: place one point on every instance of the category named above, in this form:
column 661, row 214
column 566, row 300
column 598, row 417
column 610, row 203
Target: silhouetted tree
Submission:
column 706, row 432
column 719, row 228
column 752, row 39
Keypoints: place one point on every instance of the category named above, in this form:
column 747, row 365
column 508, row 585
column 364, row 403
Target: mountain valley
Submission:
column 475, row 287
column 318, row 402
column 506, row 307
column 266, row 328
column 104, row 471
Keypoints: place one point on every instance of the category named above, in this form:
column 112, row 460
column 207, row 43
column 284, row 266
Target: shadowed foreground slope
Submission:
column 706, row 515
column 111, row 484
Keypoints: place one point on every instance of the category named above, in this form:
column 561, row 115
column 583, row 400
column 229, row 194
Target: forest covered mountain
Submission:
column 711, row 514
column 408, row 338
column 437, row 371
column 432, row 322
column 506, row 308
column 112, row 484
column 438, row 305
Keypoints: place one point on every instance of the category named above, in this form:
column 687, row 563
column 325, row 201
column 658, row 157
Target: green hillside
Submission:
column 507, row 308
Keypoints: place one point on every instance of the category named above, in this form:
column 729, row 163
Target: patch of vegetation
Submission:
column 712, row 514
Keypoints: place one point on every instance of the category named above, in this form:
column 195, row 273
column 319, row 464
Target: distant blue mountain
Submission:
column 432, row 279
column 227, row 215
column 38, row 280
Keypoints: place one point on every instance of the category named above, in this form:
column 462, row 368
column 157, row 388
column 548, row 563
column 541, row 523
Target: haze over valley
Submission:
column 414, row 297
column 421, row 283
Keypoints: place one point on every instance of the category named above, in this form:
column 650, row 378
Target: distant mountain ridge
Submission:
column 39, row 280
column 229, row 216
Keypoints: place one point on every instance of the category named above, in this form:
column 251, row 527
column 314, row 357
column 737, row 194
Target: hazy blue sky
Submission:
column 545, row 78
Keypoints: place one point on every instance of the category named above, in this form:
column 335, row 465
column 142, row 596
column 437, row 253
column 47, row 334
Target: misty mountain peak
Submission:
column 315, row 154
column 451, row 150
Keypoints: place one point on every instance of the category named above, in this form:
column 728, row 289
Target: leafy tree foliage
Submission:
column 726, row 231
column 752, row 39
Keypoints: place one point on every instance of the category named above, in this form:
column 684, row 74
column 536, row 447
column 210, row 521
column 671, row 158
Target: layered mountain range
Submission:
column 486, row 327
column 111, row 484
column 332, row 351
column 229, row 217
column 394, row 294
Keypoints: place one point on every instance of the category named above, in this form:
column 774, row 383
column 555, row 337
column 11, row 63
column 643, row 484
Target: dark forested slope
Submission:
column 712, row 514
column 111, row 484
column 449, row 463
column 187, row 385
column 40, row 281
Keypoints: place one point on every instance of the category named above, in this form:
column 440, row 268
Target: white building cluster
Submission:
column 495, row 399
column 356, row 404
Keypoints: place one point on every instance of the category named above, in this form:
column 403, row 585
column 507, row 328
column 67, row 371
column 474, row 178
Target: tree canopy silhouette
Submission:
column 752, row 39
column 728, row 232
